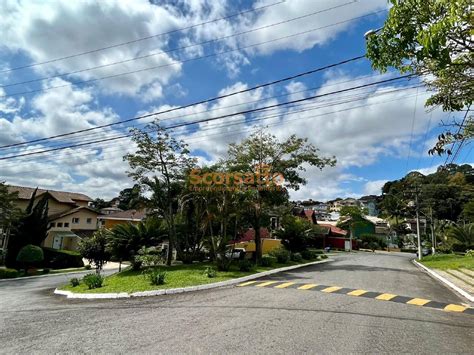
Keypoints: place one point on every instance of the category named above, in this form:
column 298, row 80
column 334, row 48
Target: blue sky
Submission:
column 370, row 135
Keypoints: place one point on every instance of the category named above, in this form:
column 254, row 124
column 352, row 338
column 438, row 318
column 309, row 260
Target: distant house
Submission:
column 370, row 203
column 70, row 218
column 327, row 234
column 307, row 214
column 122, row 217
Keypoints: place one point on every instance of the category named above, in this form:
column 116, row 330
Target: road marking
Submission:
column 421, row 302
column 246, row 283
column 418, row 301
column 266, row 283
column 385, row 297
column 454, row 308
column 331, row 289
column 285, row 285
column 357, row 292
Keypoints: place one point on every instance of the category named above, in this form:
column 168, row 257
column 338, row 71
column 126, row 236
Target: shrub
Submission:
column 155, row 276
column 46, row 270
column 30, row 255
column 8, row 273
column 147, row 257
column 308, row 255
column 94, row 248
column 74, row 282
column 267, row 260
column 61, row 259
column 223, row 263
column 296, row 257
column 210, row 272
column 245, row 265
column 88, row 267
column 324, row 256
column 469, row 253
column 93, row 280
column 282, row 255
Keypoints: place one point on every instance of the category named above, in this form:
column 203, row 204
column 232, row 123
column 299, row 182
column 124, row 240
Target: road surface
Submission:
column 246, row 319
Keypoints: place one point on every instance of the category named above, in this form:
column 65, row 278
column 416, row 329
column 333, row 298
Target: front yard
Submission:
column 176, row 276
column 448, row 261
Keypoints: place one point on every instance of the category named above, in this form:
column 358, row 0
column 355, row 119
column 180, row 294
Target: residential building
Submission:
column 122, row 217
column 370, row 203
column 70, row 218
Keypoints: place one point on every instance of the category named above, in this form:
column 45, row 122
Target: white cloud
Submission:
column 47, row 30
column 374, row 187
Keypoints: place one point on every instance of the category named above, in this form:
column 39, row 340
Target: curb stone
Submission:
column 171, row 291
column 445, row 281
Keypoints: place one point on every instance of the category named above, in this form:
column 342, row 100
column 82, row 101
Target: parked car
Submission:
column 236, row 253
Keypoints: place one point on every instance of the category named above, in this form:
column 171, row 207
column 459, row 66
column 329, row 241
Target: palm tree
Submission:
column 126, row 240
column 464, row 234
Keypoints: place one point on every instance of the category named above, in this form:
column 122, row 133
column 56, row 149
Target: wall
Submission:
column 82, row 225
column 110, row 223
column 267, row 245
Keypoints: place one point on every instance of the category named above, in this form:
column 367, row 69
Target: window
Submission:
column 52, row 225
column 75, row 220
column 89, row 220
column 66, row 224
column 60, row 224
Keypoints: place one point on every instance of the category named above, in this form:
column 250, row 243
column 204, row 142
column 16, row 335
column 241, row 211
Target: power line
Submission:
column 188, row 105
column 69, row 84
column 207, row 119
column 412, row 129
column 143, row 38
column 151, row 54
column 464, row 137
column 424, row 140
column 306, row 107
column 100, row 133
column 206, row 136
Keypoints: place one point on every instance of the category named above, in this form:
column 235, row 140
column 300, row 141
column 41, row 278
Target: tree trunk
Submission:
column 258, row 241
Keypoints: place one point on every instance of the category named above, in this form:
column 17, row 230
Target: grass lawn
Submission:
column 177, row 276
column 448, row 261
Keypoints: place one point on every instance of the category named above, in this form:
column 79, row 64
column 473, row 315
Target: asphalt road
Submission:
column 245, row 319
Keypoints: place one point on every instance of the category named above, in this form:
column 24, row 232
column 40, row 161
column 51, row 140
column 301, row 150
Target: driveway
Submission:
column 247, row 319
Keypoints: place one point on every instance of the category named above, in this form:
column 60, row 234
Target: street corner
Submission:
column 378, row 296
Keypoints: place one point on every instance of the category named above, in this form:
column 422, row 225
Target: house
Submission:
column 334, row 237
column 410, row 224
column 70, row 218
column 327, row 234
column 307, row 214
column 370, row 203
column 247, row 241
column 122, row 217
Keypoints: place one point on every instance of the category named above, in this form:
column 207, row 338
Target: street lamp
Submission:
column 372, row 32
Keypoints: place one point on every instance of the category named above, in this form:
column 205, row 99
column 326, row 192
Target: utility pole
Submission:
column 433, row 238
column 420, row 255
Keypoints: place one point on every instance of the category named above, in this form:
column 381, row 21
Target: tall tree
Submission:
column 9, row 213
column 32, row 227
column 263, row 155
column 432, row 39
column 160, row 164
column 131, row 198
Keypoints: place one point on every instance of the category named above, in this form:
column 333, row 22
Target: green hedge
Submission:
column 61, row 259
column 8, row 273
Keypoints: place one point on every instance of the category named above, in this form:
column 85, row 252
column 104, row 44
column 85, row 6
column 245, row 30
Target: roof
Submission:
column 333, row 229
column 25, row 193
column 249, row 235
column 71, row 211
column 130, row 215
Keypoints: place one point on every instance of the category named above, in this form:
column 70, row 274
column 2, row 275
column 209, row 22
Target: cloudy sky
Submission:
column 73, row 65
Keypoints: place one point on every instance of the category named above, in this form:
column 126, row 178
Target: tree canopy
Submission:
column 432, row 39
